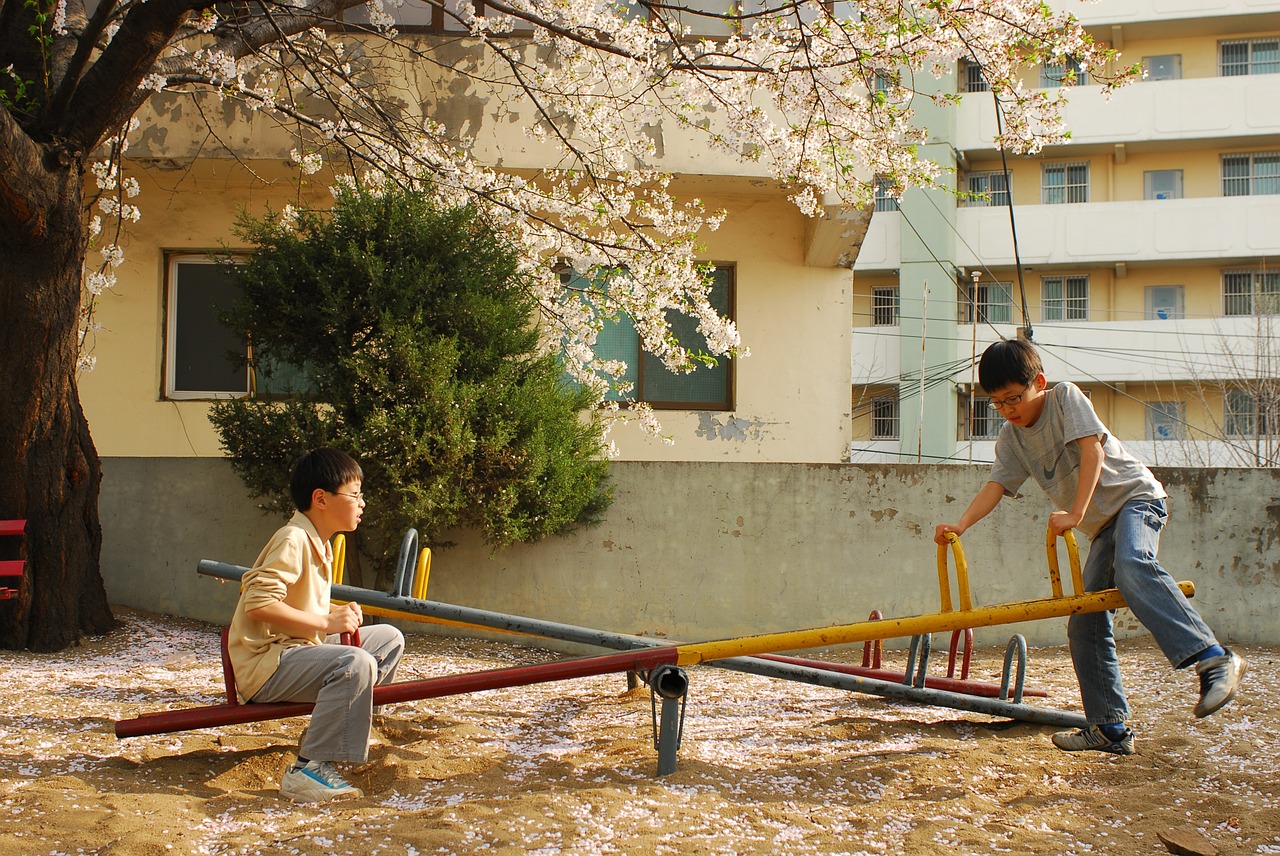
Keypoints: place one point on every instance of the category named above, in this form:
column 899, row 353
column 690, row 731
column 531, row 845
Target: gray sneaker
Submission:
column 1219, row 680
column 1093, row 738
column 316, row 782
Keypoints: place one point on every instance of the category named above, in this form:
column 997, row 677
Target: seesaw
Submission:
column 662, row 662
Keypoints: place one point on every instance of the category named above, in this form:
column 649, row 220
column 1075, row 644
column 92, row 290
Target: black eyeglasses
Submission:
column 1011, row 400
column 358, row 497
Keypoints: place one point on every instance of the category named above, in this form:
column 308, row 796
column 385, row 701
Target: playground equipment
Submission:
column 11, row 569
column 662, row 662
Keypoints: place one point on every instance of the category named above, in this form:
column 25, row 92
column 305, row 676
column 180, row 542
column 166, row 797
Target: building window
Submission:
column 884, row 417
column 1252, row 174
column 983, row 422
column 987, row 189
column 991, row 301
column 1064, row 298
column 199, row 347
column 1064, row 182
column 1162, row 184
column 704, row 388
column 1164, row 302
column 1250, row 292
column 1067, row 73
column 1250, row 415
column 885, row 199
column 1249, row 56
column 1166, row 420
column 884, row 306
column 1163, row 67
column 973, row 79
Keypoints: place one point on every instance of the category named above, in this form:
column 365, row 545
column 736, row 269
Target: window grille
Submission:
column 1065, row 298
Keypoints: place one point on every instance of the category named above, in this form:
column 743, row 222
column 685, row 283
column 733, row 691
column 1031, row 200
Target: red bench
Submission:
column 13, row 568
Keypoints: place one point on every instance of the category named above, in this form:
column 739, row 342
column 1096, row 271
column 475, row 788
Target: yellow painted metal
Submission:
column 962, row 574
column 428, row 619
column 892, row 628
column 422, row 574
column 1073, row 556
column 339, row 557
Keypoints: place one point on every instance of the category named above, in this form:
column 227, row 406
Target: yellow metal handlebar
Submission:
column 1073, row 556
column 339, row 557
column 962, row 574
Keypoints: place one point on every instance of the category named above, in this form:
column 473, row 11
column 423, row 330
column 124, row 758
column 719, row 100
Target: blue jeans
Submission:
column 1123, row 556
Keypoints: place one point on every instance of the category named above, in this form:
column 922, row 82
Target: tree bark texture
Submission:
column 50, row 472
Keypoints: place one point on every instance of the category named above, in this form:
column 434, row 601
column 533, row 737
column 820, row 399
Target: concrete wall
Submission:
column 696, row 551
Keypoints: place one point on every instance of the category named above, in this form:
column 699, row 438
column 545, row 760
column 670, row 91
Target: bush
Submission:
column 415, row 329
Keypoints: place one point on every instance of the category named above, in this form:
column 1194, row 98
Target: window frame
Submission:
column 641, row 362
column 1171, row 413
column 977, row 302
column 886, row 417
column 1149, row 303
column 977, row 409
column 1149, row 191
column 1175, row 67
column 972, row 77
column 989, row 196
column 1068, row 188
column 1056, row 73
column 172, row 323
column 885, row 298
column 1262, row 417
column 1263, row 288
column 1074, row 308
column 884, row 198
column 1247, row 184
column 1250, row 64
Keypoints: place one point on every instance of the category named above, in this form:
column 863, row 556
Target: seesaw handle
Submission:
column 1073, row 556
column 962, row 574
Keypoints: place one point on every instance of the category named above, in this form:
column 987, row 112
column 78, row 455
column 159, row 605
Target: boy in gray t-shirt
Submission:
column 1054, row 437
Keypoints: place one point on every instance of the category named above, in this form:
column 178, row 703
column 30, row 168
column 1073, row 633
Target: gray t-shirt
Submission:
column 1048, row 453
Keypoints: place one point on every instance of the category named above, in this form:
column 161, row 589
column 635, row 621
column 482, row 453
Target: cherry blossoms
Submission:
column 819, row 97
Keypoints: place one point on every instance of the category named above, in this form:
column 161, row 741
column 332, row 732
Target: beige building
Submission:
column 785, row 279
column 1149, row 246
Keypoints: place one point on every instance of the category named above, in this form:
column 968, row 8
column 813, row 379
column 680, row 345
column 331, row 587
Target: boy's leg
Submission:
column 1162, row 608
column 1093, row 644
column 386, row 645
column 339, row 679
column 1148, row 588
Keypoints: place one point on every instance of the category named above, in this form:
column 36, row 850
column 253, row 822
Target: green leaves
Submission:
column 416, row 324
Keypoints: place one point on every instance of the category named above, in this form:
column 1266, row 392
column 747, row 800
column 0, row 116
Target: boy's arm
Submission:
column 1091, row 457
column 987, row 499
column 290, row 619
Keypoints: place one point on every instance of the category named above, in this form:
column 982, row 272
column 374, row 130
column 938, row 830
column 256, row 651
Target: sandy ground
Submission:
column 569, row 768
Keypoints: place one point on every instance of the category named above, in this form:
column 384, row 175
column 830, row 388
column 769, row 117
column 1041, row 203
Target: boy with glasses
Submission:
column 284, row 637
column 1054, row 437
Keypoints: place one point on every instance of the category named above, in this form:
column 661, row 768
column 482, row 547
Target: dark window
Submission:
column 704, row 388
column 203, row 357
column 884, row 417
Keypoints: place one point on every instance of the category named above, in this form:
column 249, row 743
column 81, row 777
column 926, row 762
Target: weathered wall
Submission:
column 698, row 551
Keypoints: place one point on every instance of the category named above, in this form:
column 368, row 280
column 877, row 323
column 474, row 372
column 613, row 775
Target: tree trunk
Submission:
column 50, row 473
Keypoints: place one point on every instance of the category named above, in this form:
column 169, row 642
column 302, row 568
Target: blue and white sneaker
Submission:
column 317, row 781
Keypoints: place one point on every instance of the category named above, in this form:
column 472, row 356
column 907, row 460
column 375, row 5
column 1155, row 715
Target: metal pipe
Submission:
column 515, row 676
column 603, row 639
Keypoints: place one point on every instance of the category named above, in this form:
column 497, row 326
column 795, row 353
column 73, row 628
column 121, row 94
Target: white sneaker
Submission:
column 316, row 782
column 1219, row 680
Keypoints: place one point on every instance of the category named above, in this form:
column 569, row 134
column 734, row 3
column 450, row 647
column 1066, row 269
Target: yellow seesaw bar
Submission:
column 937, row 622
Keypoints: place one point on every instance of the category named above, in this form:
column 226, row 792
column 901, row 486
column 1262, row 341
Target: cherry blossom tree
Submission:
column 818, row 94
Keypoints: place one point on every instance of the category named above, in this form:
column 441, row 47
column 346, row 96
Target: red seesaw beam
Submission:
column 212, row 716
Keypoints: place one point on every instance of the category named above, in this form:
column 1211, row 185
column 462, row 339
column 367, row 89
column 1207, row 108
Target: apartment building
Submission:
column 1146, row 265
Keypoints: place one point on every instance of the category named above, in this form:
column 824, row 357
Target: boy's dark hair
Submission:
column 1008, row 362
column 327, row 469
